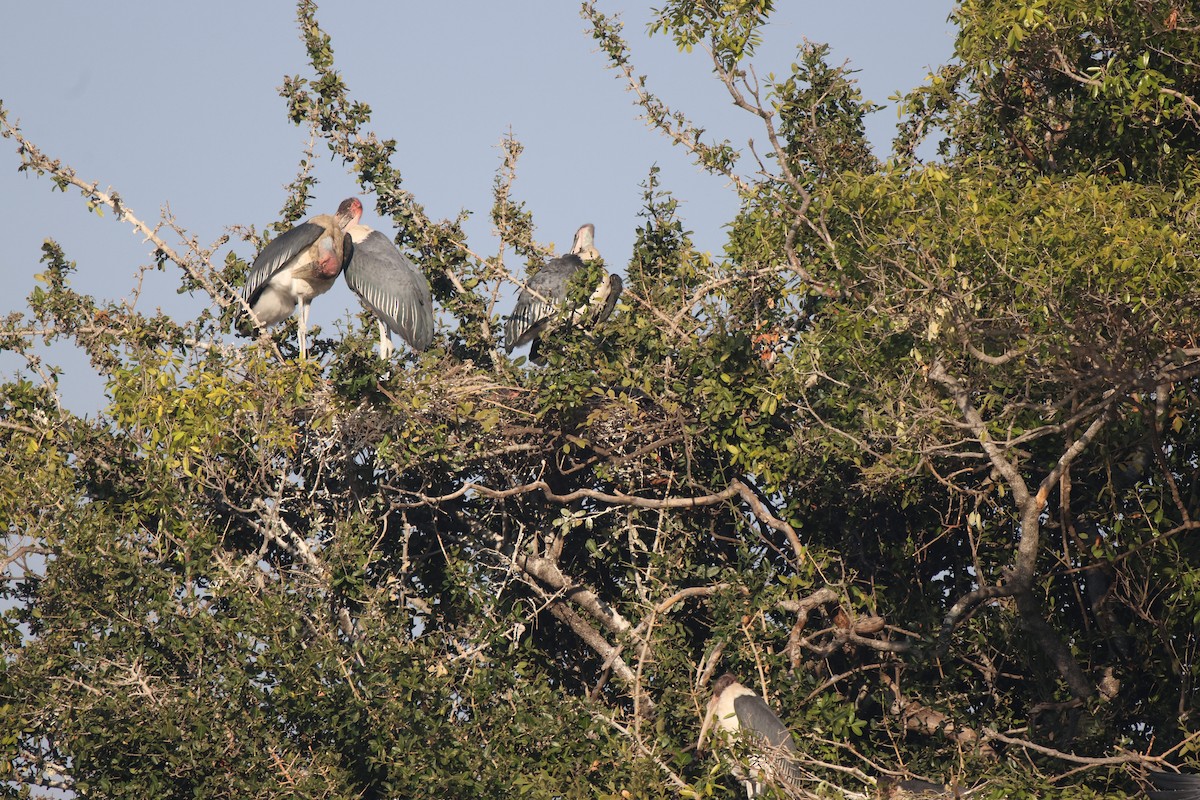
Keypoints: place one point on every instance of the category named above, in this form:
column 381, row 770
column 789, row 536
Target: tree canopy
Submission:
column 917, row 456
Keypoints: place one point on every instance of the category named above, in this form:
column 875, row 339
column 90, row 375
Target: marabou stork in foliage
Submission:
column 1167, row 786
column 295, row 267
column 1174, row 786
column 388, row 284
column 746, row 719
column 921, row 790
column 546, row 291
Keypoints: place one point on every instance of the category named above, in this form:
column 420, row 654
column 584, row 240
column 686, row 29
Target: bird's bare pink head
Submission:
column 329, row 257
column 585, row 243
column 349, row 211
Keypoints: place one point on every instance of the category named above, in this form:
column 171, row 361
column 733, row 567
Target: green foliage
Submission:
column 731, row 27
column 914, row 456
column 1080, row 86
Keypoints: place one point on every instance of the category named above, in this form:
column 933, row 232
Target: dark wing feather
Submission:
column 550, row 282
column 757, row 718
column 389, row 285
column 615, row 285
column 276, row 255
column 753, row 714
column 1173, row 786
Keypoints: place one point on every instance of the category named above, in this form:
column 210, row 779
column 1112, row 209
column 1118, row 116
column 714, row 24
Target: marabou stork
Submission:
column 546, row 291
column 1167, row 786
column 388, row 284
column 295, row 267
column 919, row 790
column 1174, row 786
column 746, row 718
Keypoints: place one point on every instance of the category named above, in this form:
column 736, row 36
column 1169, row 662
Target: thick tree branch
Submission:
column 736, row 488
column 1018, row 583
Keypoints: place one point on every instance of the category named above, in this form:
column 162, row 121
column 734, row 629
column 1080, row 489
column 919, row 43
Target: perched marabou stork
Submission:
column 1174, row 786
column 920, row 790
column 746, row 718
column 1167, row 786
column 388, row 284
column 545, row 292
column 295, row 267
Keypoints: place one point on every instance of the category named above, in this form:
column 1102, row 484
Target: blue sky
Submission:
column 175, row 105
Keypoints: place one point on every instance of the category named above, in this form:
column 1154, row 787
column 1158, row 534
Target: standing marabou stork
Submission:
column 546, row 291
column 388, row 284
column 1174, row 786
column 746, row 718
column 295, row 267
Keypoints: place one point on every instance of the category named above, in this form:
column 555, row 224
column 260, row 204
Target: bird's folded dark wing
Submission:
column 755, row 715
column 1174, row 786
column 523, row 323
column 615, row 285
column 545, row 291
column 392, row 288
column 276, row 255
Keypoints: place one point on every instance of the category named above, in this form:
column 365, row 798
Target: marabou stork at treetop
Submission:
column 745, row 718
column 921, row 790
column 388, row 284
column 546, row 291
column 295, row 267
column 1167, row 786
column 1174, row 786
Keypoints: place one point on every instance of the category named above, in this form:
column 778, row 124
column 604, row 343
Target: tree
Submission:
column 916, row 456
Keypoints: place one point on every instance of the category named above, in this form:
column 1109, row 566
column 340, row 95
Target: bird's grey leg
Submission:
column 385, row 341
column 303, row 323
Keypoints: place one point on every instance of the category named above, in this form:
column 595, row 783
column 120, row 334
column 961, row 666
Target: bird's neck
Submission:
column 358, row 232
